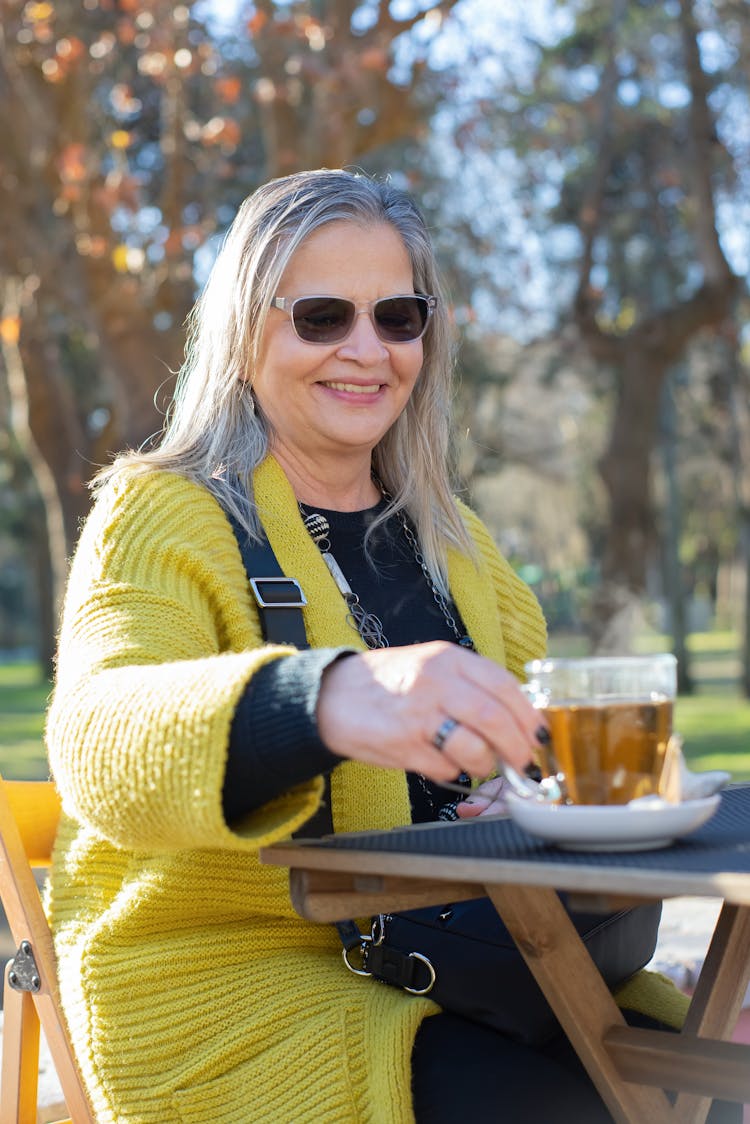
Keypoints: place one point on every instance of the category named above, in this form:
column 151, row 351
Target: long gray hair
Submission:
column 214, row 433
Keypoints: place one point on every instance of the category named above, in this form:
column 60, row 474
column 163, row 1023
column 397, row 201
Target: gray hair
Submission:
column 214, row 432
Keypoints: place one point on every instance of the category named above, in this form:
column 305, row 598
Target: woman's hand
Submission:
column 386, row 707
column 487, row 799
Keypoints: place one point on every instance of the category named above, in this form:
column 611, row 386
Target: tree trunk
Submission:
column 739, row 446
column 60, row 441
column 47, row 615
column 673, row 577
column 745, row 668
column 20, row 415
column 641, row 360
column 625, row 469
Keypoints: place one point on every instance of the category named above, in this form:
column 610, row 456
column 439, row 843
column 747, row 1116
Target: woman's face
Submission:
column 340, row 398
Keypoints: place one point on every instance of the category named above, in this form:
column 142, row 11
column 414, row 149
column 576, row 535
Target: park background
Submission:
column 585, row 169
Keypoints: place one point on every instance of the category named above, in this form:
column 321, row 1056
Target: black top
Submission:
column 274, row 742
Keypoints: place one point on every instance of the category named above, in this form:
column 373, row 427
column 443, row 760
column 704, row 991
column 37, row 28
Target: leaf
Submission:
column 52, row 70
column 10, row 329
column 173, row 244
column 71, row 164
column 229, row 89
column 373, row 58
column 70, row 49
column 126, row 31
column 257, row 23
column 221, row 130
column 120, row 138
column 38, row 13
column 120, row 258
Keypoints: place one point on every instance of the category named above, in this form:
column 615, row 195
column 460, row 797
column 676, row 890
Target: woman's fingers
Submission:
column 502, row 688
column 463, row 749
column 495, row 720
column 431, row 708
column 486, row 799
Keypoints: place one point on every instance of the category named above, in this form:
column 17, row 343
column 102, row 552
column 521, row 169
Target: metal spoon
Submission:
column 549, row 790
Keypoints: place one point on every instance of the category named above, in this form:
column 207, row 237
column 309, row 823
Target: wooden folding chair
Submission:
column 29, row 814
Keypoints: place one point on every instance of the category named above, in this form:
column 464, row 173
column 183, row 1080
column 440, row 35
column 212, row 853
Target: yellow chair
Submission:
column 29, row 814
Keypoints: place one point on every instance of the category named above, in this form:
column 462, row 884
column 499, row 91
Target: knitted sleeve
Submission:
column 157, row 645
column 523, row 624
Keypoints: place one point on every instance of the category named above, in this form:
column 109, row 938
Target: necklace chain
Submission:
column 368, row 626
column 440, row 601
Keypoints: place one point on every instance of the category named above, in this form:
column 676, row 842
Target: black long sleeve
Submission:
column 274, row 742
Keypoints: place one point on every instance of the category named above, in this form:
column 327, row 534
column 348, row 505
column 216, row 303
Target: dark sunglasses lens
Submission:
column 322, row 319
column 401, row 319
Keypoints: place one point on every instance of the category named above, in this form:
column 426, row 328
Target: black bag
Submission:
column 464, row 958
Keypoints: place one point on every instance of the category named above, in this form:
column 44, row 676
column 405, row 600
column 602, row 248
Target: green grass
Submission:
column 716, row 729
column 715, row 722
column 23, row 698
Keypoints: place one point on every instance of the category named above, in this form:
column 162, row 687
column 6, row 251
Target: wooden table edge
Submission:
column 600, row 879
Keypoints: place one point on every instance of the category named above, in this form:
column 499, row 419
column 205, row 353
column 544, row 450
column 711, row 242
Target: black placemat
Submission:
column 721, row 844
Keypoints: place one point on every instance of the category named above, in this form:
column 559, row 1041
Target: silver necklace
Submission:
column 368, row 625
column 463, row 639
column 370, row 628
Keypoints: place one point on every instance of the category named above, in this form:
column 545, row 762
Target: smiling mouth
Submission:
column 354, row 388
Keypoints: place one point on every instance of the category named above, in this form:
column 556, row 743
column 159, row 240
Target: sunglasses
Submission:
column 399, row 319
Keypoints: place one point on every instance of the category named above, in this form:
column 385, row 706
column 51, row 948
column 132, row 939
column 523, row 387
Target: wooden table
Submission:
column 373, row 872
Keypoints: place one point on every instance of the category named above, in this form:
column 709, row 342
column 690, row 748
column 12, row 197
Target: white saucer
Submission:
column 643, row 826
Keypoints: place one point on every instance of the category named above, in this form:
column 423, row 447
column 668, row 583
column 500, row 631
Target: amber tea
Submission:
column 611, row 752
column 610, row 720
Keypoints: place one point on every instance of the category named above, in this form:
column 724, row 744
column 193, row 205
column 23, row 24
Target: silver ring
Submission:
column 443, row 732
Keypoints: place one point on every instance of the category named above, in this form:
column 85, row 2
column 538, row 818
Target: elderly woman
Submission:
column 317, row 383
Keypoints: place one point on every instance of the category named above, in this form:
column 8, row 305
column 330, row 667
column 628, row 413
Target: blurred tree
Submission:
column 736, row 386
column 129, row 132
column 672, row 532
column 24, row 572
column 337, row 82
column 705, row 444
column 603, row 177
column 627, row 146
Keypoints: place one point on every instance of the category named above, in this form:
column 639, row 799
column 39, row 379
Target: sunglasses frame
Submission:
column 286, row 304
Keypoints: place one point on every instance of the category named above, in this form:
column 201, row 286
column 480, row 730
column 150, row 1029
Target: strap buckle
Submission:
column 408, row 970
column 285, row 593
column 362, row 949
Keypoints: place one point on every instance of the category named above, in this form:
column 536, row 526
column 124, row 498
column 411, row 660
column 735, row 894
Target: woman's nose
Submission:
column 363, row 344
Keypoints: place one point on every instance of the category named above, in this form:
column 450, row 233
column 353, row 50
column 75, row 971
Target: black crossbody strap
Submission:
column 279, row 599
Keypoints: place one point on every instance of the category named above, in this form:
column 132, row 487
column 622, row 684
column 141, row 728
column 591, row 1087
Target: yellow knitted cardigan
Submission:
column 193, row 991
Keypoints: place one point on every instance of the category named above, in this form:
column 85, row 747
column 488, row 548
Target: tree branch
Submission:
column 666, row 334
column 387, row 26
column 702, row 139
column 590, row 216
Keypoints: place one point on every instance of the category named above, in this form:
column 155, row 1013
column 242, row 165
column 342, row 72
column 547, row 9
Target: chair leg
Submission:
column 20, row 1058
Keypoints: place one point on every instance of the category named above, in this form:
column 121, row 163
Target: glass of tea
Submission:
column 610, row 720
